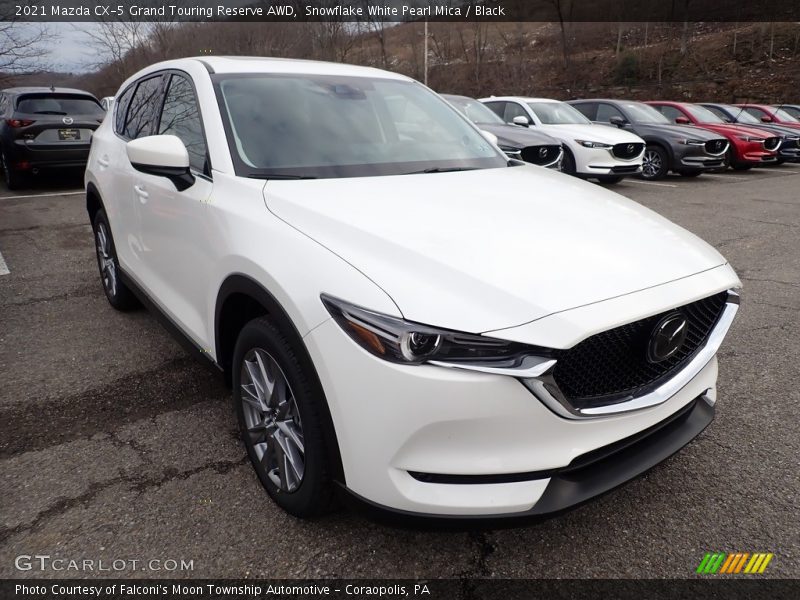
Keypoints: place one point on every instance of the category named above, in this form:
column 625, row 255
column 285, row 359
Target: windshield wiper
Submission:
column 442, row 170
column 279, row 176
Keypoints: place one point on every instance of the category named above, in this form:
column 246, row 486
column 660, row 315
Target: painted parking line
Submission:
column 3, row 266
column 651, row 183
column 42, row 195
column 726, row 176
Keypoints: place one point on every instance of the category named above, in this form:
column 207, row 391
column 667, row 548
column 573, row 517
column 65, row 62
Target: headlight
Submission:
column 511, row 152
column 405, row 342
column 588, row 144
column 747, row 138
column 691, row 142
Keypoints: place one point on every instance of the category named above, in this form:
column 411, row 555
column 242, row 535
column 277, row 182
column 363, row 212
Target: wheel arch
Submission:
column 667, row 148
column 241, row 299
column 94, row 202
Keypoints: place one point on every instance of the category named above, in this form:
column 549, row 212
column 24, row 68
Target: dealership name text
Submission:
column 214, row 590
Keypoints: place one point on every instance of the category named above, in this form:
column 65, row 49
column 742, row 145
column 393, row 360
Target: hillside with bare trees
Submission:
column 730, row 62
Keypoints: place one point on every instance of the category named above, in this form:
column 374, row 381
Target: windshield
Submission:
column 319, row 126
column 557, row 113
column 475, row 111
column 54, row 104
column 740, row 115
column 785, row 116
column 702, row 114
column 642, row 113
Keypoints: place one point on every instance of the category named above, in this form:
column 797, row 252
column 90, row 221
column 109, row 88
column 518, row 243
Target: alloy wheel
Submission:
column 272, row 419
column 108, row 266
column 651, row 164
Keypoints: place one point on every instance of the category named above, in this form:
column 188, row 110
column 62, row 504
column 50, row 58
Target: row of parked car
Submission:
column 610, row 139
column 602, row 139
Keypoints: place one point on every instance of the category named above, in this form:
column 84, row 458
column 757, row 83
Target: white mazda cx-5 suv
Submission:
column 591, row 149
column 407, row 317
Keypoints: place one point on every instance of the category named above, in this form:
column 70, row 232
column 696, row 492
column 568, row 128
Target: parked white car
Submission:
column 106, row 102
column 591, row 150
column 406, row 316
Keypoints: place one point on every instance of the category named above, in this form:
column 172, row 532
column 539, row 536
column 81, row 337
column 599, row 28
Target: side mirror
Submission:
column 618, row 121
column 682, row 121
column 162, row 156
column 521, row 120
column 766, row 119
column 490, row 137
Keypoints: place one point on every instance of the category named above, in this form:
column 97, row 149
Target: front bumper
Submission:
column 397, row 425
column 600, row 161
column 588, row 476
column 695, row 158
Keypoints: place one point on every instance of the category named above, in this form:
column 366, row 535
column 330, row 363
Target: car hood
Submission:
column 518, row 137
column 489, row 249
column 681, row 131
column 591, row 133
column 729, row 129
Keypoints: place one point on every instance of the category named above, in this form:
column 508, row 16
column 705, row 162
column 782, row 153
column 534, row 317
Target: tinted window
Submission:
column 498, row 108
column 474, row 110
column 606, row 111
column 339, row 126
column 756, row 112
column 557, row 113
column 587, row 109
column 719, row 112
column 140, row 114
column 670, row 112
column 514, row 110
column 121, row 108
column 181, row 117
column 59, row 104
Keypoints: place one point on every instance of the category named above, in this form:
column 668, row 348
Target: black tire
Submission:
column 655, row 163
column 690, row 173
column 118, row 294
column 610, row 179
column 313, row 495
column 568, row 162
column 14, row 179
column 734, row 164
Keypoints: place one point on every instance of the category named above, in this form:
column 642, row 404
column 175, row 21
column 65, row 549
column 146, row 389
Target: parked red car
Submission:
column 771, row 114
column 748, row 147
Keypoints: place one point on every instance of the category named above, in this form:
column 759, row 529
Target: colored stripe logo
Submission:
column 715, row 563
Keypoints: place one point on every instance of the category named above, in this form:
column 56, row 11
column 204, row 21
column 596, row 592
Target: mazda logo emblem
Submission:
column 67, row 120
column 631, row 148
column 667, row 337
column 542, row 152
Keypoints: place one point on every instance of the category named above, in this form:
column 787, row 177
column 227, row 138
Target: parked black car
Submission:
column 45, row 127
column 680, row 148
column 523, row 144
column 789, row 150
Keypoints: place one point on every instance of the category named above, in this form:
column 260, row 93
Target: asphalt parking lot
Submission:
column 116, row 445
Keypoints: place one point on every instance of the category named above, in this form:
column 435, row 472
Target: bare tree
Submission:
column 22, row 47
column 562, row 7
column 112, row 41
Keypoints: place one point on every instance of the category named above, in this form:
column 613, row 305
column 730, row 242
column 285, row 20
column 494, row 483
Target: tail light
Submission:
column 19, row 122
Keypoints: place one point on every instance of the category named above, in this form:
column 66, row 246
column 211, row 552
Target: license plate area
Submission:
column 69, row 135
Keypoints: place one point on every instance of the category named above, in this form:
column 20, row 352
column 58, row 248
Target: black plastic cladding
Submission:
column 612, row 366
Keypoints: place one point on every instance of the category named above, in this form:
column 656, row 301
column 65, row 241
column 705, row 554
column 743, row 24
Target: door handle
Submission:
column 141, row 192
column 103, row 161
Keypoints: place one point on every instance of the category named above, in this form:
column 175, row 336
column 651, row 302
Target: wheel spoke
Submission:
column 273, row 425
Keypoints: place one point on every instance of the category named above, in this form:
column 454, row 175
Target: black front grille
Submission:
column 772, row 143
column 716, row 146
column 540, row 155
column 627, row 151
column 612, row 366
